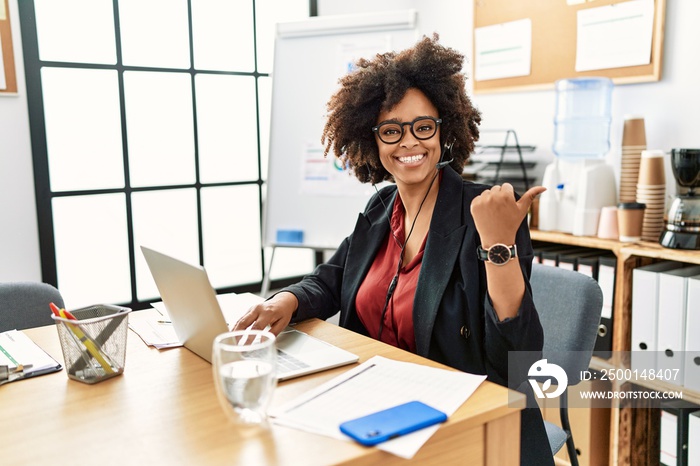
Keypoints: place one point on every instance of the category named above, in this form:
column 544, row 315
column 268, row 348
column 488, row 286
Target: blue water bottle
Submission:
column 582, row 118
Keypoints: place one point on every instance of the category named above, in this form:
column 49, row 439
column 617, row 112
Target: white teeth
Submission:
column 411, row 159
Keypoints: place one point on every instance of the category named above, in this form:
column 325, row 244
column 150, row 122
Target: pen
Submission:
column 87, row 341
column 100, row 340
column 331, row 388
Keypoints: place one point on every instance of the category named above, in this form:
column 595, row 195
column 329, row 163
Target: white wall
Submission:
column 670, row 108
column 19, row 236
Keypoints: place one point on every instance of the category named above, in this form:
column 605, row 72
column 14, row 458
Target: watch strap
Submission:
column 483, row 254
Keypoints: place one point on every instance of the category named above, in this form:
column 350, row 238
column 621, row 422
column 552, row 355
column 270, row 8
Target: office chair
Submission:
column 569, row 305
column 26, row 304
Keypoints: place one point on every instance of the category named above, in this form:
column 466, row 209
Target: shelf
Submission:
column 506, row 148
column 566, row 238
column 499, row 166
column 641, row 248
column 656, row 251
column 515, row 181
column 634, row 431
column 483, row 165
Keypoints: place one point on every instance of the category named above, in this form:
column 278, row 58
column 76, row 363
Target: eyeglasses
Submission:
column 422, row 128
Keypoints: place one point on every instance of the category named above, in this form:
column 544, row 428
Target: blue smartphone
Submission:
column 391, row 423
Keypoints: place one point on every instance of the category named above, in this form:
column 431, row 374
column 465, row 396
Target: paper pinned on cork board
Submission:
column 503, row 50
column 3, row 83
column 614, row 36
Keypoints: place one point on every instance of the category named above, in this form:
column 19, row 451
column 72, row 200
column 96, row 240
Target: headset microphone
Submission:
column 446, row 150
column 441, row 165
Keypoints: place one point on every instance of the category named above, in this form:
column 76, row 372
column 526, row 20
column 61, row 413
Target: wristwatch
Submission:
column 498, row 254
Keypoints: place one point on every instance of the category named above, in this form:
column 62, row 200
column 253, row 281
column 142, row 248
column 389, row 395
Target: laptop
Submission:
column 197, row 319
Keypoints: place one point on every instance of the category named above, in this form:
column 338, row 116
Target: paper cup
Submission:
column 651, row 168
column 607, row 226
column 633, row 133
column 630, row 217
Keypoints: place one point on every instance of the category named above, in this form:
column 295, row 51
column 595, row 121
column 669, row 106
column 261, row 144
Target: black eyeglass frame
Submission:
column 437, row 122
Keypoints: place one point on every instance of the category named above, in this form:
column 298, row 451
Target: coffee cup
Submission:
column 630, row 218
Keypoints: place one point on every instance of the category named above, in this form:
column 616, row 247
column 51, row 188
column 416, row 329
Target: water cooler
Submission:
column 579, row 182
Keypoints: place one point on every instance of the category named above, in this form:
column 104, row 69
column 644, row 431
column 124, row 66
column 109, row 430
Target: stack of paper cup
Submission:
column 634, row 141
column 651, row 190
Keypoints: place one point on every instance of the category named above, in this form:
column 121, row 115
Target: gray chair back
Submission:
column 569, row 305
column 26, row 304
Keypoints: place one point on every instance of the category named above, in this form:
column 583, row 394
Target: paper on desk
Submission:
column 153, row 332
column 377, row 384
column 161, row 335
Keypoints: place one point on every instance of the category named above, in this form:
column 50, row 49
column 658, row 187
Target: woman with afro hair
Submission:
column 436, row 265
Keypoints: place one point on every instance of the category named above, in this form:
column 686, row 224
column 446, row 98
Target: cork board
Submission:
column 554, row 37
column 8, row 85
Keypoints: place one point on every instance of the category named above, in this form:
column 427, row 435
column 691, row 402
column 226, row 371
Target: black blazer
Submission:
column 454, row 321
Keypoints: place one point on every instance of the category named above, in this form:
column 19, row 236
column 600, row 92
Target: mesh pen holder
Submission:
column 94, row 345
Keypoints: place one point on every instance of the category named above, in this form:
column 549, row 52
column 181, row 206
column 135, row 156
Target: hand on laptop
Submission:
column 276, row 312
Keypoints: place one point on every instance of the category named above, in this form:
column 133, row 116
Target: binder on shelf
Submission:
column 588, row 265
column 541, row 248
column 571, row 260
column 674, row 433
column 673, row 285
column 607, row 265
column 567, row 261
column 551, row 257
column 645, row 313
column 692, row 342
column 693, row 433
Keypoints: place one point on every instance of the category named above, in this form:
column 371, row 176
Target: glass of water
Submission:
column 245, row 368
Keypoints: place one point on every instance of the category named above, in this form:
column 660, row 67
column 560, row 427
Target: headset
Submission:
column 446, row 149
column 446, row 152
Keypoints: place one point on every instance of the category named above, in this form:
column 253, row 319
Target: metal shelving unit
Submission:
column 500, row 171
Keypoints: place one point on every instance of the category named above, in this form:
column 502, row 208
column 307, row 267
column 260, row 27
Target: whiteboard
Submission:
column 305, row 192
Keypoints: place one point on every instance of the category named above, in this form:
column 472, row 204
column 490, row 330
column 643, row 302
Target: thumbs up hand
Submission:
column 498, row 215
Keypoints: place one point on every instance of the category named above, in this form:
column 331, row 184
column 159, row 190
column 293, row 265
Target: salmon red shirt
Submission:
column 372, row 295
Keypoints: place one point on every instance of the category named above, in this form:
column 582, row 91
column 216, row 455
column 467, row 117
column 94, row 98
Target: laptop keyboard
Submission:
column 287, row 363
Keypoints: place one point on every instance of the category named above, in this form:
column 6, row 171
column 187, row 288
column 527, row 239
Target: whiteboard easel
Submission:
column 306, row 192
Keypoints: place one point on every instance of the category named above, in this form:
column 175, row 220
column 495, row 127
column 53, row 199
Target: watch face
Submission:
column 499, row 254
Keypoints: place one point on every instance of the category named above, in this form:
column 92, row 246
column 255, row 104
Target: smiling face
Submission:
column 411, row 161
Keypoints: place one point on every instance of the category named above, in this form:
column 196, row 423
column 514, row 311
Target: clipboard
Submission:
column 21, row 358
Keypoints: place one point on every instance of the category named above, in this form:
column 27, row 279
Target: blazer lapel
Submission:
column 447, row 229
column 370, row 231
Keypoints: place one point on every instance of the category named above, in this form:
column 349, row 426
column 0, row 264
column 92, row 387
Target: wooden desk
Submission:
column 164, row 410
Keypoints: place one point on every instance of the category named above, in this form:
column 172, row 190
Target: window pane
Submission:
column 222, row 33
column 159, row 125
column 92, row 252
column 63, row 26
column 264, row 105
column 267, row 14
column 155, row 33
column 83, row 128
column 167, row 222
column 227, row 130
column 231, row 235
